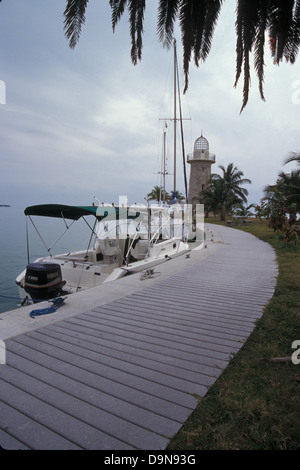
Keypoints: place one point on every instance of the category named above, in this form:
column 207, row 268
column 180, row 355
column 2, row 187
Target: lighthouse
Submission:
column 200, row 160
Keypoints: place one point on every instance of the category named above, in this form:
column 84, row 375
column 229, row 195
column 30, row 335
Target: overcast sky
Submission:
column 86, row 122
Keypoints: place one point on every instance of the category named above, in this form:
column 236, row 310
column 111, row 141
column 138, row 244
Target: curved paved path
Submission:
column 126, row 372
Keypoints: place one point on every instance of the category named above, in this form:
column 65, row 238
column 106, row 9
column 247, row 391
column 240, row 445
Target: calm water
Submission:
column 13, row 247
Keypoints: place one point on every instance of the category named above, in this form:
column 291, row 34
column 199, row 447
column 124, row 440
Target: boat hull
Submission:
column 79, row 274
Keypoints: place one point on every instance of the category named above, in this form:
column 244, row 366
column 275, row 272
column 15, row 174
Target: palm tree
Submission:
column 218, row 198
column 291, row 181
column 290, row 184
column 157, row 194
column 214, row 198
column 179, row 197
column 197, row 20
column 233, row 180
column 244, row 211
column 282, row 199
column 224, row 192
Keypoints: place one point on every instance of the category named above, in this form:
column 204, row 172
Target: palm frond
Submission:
column 281, row 26
column 199, row 28
column 136, row 19
column 246, row 24
column 294, row 42
column 198, row 19
column 167, row 14
column 117, row 10
column 74, row 19
column 280, row 19
column 136, row 10
column 213, row 8
column 239, row 42
column 259, row 45
column 186, row 20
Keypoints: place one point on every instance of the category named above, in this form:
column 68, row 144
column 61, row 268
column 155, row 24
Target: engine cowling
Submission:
column 43, row 281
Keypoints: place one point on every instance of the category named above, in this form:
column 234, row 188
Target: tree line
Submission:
column 225, row 195
column 161, row 195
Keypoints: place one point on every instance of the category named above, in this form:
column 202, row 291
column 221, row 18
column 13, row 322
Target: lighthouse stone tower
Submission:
column 200, row 161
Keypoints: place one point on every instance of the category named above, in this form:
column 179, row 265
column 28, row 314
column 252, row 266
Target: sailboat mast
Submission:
column 175, row 118
column 176, row 84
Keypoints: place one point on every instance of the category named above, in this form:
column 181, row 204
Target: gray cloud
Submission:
column 85, row 123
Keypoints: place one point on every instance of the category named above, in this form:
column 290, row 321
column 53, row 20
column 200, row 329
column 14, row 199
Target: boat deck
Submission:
column 124, row 370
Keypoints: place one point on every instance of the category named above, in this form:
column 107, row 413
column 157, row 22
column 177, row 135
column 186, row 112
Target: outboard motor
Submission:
column 43, row 281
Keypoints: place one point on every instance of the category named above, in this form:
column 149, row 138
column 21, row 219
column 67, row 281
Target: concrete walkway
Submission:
column 120, row 367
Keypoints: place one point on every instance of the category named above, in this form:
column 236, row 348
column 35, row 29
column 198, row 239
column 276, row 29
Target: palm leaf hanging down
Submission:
column 197, row 19
column 136, row 19
column 74, row 19
column 281, row 19
column 278, row 19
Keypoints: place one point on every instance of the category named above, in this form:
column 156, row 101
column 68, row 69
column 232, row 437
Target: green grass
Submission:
column 255, row 404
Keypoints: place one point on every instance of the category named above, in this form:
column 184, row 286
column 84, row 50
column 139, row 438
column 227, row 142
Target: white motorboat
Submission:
column 123, row 240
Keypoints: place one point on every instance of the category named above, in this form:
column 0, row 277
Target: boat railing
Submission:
column 74, row 259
